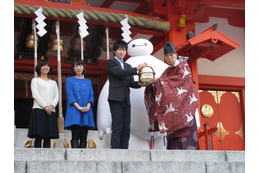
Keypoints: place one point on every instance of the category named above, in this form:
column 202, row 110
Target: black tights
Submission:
column 38, row 142
column 79, row 133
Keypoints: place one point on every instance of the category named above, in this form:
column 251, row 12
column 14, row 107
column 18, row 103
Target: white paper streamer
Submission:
column 126, row 30
column 82, row 25
column 82, row 30
column 41, row 24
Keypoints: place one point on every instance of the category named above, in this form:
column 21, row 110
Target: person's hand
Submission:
column 86, row 108
column 49, row 109
column 81, row 109
column 140, row 66
column 152, row 81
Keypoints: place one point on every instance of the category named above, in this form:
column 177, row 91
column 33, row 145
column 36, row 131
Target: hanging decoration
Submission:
column 41, row 24
column 82, row 30
column 107, row 40
column 57, row 29
column 61, row 140
column 41, row 32
column 126, row 30
column 35, row 46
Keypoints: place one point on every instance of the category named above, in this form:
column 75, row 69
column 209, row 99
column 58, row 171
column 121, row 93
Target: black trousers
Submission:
column 38, row 142
column 79, row 133
column 121, row 119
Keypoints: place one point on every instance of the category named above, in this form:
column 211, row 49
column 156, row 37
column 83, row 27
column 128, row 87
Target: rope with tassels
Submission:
column 139, row 22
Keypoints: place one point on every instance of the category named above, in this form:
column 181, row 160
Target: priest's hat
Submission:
column 169, row 48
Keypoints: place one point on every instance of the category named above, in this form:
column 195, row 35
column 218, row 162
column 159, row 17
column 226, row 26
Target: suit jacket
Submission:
column 120, row 80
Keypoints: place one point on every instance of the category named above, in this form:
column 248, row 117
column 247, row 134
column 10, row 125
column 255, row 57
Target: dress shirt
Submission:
column 121, row 62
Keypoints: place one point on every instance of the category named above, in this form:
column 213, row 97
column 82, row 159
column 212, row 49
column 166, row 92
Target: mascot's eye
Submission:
column 145, row 44
column 133, row 45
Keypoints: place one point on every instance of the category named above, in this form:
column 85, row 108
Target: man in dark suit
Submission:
column 120, row 75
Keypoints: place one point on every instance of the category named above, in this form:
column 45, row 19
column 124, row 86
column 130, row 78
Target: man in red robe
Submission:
column 171, row 101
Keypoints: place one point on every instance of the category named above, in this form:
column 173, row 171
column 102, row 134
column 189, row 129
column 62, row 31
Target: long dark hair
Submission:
column 78, row 61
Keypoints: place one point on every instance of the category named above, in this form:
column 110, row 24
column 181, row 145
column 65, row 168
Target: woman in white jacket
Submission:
column 43, row 122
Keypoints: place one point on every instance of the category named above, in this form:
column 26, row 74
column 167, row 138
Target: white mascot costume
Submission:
column 139, row 50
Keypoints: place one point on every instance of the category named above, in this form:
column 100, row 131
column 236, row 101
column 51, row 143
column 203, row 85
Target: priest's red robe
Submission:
column 172, row 101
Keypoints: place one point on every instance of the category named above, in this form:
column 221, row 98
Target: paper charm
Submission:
column 82, row 25
column 126, row 30
column 40, row 23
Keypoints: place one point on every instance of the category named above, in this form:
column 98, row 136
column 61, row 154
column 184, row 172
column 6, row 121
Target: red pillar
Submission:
column 176, row 36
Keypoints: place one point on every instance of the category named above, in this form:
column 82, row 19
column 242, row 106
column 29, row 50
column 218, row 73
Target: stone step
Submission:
column 128, row 167
column 111, row 160
column 31, row 154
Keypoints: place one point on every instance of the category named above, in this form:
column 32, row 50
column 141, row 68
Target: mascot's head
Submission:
column 140, row 47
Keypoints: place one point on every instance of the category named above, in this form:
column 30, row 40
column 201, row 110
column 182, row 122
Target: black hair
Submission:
column 119, row 44
column 78, row 61
column 40, row 64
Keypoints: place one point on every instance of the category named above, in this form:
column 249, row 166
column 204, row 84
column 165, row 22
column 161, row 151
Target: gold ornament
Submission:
column 92, row 143
column 207, row 110
column 54, row 45
column 221, row 132
column 29, row 143
column 240, row 132
column 30, row 41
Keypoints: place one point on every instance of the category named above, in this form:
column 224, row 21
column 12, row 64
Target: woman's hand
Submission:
column 86, row 108
column 49, row 109
column 82, row 109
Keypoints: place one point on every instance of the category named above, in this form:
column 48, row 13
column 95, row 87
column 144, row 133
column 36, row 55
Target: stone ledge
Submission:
column 20, row 166
column 108, row 154
column 30, row 154
column 225, row 167
column 129, row 167
column 187, row 155
column 164, row 167
column 235, row 156
column 73, row 166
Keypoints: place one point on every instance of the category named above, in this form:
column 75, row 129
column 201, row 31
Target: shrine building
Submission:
column 209, row 34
